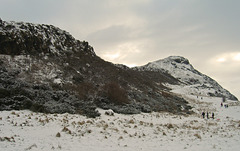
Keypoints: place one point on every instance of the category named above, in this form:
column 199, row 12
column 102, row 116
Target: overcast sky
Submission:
column 135, row 32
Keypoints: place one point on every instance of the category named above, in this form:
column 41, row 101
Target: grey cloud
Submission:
column 111, row 35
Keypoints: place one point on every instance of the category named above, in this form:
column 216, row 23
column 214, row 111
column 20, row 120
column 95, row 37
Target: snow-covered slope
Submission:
column 191, row 80
column 25, row 130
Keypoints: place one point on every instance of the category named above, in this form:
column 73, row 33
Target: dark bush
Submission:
column 82, row 90
column 115, row 93
column 4, row 93
column 27, row 104
column 37, row 108
column 78, row 79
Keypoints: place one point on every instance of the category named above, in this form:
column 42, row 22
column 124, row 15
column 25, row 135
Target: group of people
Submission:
column 207, row 115
column 225, row 105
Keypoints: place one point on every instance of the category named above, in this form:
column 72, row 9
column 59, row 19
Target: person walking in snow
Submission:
column 226, row 105
column 207, row 115
column 203, row 114
column 221, row 104
column 1, row 22
column 212, row 115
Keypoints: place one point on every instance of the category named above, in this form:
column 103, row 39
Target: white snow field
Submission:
column 26, row 130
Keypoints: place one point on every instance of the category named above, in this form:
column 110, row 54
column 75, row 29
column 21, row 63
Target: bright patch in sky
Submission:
column 230, row 57
column 130, row 65
column 221, row 59
column 237, row 57
column 111, row 56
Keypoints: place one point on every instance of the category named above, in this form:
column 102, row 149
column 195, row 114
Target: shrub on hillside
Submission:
column 82, row 90
column 4, row 93
column 115, row 93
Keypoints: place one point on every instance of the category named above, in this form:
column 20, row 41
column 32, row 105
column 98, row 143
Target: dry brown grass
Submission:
column 198, row 136
column 9, row 139
column 65, row 129
column 141, row 122
column 164, row 134
column 169, row 126
column 212, row 124
column 58, row 135
column 105, row 126
column 131, row 121
column 81, row 123
column 89, row 131
column 120, row 138
column 124, row 131
column 89, row 122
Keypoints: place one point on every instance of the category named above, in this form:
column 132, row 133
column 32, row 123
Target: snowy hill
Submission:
column 45, row 69
column 191, row 80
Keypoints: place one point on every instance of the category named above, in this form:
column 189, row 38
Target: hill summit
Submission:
column 190, row 80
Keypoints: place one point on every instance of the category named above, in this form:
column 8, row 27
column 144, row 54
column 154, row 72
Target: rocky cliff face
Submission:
column 191, row 80
column 45, row 69
column 18, row 38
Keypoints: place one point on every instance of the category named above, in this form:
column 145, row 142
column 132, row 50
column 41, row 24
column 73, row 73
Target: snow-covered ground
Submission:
column 26, row 130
